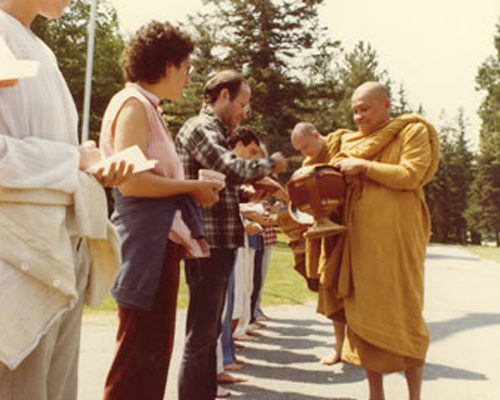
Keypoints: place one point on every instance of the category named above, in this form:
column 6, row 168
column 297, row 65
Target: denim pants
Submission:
column 258, row 311
column 257, row 283
column 228, row 349
column 207, row 282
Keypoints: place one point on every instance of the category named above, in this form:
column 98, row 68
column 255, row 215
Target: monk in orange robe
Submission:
column 377, row 267
column 319, row 149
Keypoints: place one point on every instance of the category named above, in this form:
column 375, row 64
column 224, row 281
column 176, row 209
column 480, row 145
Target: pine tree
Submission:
column 205, row 63
column 67, row 37
column 460, row 178
column 447, row 193
column 270, row 42
column 483, row 211
column 332, row 84
column 400, row 104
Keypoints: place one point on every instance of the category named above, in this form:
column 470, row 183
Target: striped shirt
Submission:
column 201, row 143
column 269, row 233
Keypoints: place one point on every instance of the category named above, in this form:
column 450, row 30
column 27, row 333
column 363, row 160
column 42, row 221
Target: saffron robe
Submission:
column 376, row 269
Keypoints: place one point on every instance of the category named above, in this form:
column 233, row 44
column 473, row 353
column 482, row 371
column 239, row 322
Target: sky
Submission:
column 432, row 47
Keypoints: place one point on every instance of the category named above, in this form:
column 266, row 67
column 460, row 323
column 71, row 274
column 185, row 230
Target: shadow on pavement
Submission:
column 298, row 331
column 448, row 257
column 253, row 392
column 442, row 329
column 301, row 322
column 280, row 356
column 349, row 374
column 438, row 371
column 291, row 343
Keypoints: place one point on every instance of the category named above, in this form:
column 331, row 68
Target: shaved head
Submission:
column 306, row 139
column 371, row 107
column 304, row 129
column 372, row 88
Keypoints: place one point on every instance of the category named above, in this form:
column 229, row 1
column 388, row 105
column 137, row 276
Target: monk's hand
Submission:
column 115, row 175
column 354, row 166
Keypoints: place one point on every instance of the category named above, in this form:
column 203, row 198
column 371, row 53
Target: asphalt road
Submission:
column 462, row 310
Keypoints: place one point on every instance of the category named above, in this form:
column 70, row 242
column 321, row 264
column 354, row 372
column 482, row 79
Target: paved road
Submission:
column 462, row 309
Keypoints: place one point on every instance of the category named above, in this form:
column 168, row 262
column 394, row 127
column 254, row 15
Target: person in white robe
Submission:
column 57, row 247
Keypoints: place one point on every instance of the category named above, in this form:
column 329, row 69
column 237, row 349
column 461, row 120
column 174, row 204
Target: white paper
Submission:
column 12, row 68
column 132, row 155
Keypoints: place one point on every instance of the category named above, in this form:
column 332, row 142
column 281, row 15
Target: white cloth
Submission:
column 37, row 275
column 38, row 119
column 219, row 357
column 44, row 201
column 50, row 372
column 243, row 286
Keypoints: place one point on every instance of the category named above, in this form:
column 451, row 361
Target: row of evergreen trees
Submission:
column 298, row 73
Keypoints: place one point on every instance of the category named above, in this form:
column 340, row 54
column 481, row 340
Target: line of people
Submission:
column 58, row 248
column 243, row 313
column 157, row 218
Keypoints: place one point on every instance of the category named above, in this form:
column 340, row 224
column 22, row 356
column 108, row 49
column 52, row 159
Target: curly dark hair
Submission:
column 244, row 135
column 153, row 46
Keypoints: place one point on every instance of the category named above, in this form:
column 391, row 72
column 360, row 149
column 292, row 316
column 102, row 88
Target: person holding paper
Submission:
column 148, row 209
column 57, row 247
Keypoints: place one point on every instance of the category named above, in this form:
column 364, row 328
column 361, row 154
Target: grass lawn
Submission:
column 283, row 284
column 486, row 252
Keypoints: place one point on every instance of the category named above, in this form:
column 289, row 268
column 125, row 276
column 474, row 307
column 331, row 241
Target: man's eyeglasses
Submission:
column 246, row 107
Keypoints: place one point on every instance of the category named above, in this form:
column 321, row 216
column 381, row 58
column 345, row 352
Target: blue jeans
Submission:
column 207, row 282
column 258, row 312
column 257, row 282
column 228, row 349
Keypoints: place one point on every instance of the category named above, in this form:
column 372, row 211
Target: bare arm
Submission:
column 132, row 128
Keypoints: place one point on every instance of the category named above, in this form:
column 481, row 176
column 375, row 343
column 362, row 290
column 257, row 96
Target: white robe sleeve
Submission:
column 33, row 163
column 38, row 119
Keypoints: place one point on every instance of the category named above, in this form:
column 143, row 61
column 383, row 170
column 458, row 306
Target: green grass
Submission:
column 486, row 252
column 283, row 284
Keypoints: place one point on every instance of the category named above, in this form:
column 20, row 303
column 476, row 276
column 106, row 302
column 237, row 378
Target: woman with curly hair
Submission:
column 156, row 212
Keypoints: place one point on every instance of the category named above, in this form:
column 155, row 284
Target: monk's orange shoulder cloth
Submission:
column 375, row 271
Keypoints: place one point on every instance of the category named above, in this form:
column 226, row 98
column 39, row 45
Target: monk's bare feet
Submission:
column 334, row 358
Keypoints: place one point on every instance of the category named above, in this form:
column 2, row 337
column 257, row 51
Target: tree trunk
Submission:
column 475, row 237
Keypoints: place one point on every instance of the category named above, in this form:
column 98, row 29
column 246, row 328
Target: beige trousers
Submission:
column 50, row 372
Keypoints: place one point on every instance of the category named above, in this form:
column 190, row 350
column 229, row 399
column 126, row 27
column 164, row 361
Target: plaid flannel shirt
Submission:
column 202, row 143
